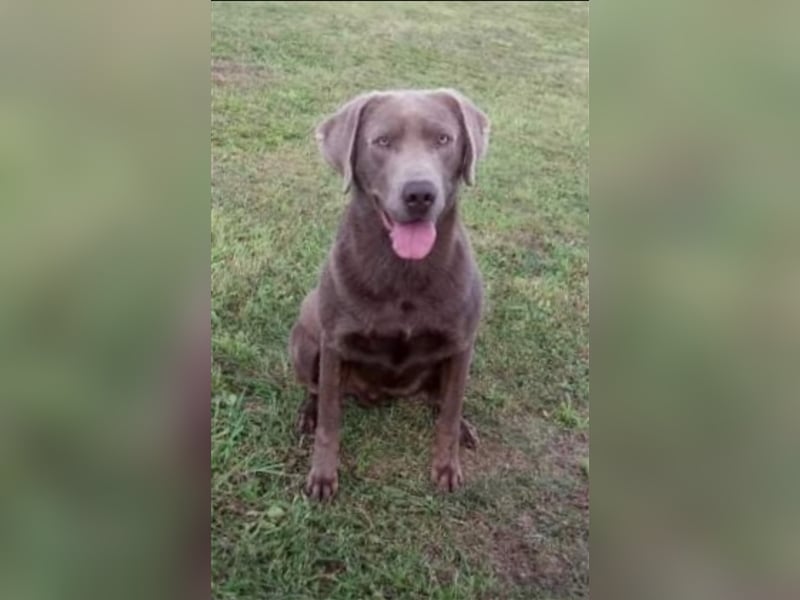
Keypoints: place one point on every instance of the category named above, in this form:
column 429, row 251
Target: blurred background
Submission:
column 695, row 280
column 104, row 332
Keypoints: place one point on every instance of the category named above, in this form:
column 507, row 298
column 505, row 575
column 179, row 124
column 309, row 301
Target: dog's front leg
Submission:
column 322, row 481
column 446, row 470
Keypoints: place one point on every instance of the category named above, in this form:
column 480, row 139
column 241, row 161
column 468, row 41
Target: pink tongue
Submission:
column 413, row 240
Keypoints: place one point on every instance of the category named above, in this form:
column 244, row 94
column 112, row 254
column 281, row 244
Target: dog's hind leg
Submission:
column 307, row 416
column 468, row 434
column 304, row 352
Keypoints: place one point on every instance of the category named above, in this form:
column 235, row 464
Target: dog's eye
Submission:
column 382, row 141
column 444, row 139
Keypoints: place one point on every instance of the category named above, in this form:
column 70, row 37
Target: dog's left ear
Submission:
column 336, row 136
column 475, row 125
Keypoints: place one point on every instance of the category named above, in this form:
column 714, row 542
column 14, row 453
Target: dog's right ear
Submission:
column 336, row 136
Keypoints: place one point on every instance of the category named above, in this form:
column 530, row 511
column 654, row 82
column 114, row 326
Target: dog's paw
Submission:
column 321, row 484
column 447, row 476
column 469, row 435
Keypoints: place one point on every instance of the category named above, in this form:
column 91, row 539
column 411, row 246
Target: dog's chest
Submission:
column 400, row 337
column 395, row 348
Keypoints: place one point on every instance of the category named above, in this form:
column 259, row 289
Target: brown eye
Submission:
column 444, row 139
column 382, row 141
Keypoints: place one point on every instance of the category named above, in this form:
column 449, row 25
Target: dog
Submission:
column 397, row 306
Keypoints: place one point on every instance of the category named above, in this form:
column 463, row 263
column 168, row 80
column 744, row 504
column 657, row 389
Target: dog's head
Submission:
column 406, row 151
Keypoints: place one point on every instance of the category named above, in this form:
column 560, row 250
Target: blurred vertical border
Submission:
column 695, row 289
column 104, row 300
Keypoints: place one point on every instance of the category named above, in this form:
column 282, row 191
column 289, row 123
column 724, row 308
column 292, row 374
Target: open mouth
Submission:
column 410, row 240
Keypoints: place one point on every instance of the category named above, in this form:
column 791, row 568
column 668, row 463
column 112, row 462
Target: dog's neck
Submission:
column 364, row 241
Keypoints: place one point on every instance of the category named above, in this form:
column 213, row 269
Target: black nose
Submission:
column 418, row 197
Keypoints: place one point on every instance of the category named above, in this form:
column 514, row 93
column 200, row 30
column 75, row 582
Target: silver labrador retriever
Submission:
column 399, row 298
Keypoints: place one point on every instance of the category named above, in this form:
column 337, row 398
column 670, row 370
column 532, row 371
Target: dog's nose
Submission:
column 418, row 197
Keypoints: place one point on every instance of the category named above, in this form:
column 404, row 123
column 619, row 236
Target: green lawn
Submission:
column 519, row 528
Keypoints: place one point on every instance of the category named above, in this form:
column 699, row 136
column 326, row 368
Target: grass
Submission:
column 519, row 529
